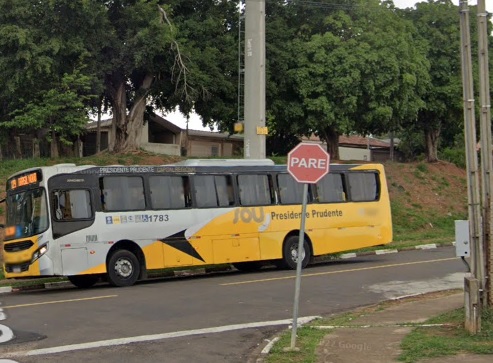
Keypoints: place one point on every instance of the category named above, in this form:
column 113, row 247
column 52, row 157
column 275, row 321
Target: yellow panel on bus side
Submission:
column 154, row 255
column 236, row 249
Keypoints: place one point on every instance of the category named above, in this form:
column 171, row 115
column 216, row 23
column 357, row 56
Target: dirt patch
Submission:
column 437, row 188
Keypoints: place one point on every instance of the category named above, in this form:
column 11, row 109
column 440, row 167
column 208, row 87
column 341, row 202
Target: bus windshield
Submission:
column 27, row 214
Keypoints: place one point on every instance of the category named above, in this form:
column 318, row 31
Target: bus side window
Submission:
column 290, row 191
column 255, row 189
column 224, row 189
column 122, row 193
column 72, row 204
column 364, row 187
column 205, row 191
column 330, row 189
column 186, row 192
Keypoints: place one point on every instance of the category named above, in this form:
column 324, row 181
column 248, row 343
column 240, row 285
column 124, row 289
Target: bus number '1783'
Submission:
column 246, row 215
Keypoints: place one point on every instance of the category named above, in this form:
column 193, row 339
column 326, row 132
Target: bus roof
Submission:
column 225, row 162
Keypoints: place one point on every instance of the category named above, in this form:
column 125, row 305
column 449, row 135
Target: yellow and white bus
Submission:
column 119, row 222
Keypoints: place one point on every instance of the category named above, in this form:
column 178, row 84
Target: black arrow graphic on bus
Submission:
column 179, row 242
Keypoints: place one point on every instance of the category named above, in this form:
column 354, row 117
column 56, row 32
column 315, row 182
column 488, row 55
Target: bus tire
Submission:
column 83, row 281
column 123, row 268
column 290, row 253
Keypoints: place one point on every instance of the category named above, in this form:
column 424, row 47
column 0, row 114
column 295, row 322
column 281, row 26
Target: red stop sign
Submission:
column 308, row 163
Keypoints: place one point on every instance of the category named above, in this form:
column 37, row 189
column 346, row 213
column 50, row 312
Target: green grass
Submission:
column 430, row 342
column 421, row 343
column 307, row 340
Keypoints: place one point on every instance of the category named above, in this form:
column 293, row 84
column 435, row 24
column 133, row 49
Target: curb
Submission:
column 428, row 246
column 203, row 271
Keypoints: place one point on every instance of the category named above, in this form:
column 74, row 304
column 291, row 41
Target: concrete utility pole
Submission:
column 473, row 284
column 255, row 130
column 486, row 157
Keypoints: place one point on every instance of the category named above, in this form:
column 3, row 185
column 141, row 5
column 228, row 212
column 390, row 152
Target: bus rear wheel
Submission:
column 290, row 253
column 123, row 268
column 83, row 281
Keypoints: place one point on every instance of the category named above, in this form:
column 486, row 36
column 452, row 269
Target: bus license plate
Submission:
column 16, row 270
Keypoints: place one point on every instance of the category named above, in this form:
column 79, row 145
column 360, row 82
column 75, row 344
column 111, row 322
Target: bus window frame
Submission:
column 377, row 177
column 53, row 205
column 270, row 182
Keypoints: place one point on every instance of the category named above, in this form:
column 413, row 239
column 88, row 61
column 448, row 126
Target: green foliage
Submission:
column 419, row 223
column 437, row 24
column 356, row 68
column 60, row 109
column 307, row 340
column 422, row 167
column 46, row 66
column 456, row 156
column 452, row 338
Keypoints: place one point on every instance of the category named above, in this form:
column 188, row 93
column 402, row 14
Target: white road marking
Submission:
column 426, row 247
column 398, row 289
column 5, row 289
column 269, row 345
column 385, row 252
column 59, row 301
column 153, row 337
column 6, row 334
column 348, row 255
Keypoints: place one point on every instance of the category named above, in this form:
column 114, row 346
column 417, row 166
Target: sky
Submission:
column 196, row 124
column 410, row 3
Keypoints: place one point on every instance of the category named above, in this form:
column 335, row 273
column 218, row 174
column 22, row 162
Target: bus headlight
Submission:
column 39, row 252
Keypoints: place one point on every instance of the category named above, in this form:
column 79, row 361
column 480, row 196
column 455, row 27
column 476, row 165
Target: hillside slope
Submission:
column 426, row 198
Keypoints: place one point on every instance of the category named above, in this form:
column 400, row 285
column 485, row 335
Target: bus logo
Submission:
column 246, row 215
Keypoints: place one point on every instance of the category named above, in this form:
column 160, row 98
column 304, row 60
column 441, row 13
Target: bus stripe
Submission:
column 179, row 242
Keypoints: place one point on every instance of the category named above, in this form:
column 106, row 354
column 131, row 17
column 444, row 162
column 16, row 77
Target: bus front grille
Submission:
column 18, row 246
column 17, row 268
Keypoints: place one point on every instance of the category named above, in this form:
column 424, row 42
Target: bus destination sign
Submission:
column 24, row 180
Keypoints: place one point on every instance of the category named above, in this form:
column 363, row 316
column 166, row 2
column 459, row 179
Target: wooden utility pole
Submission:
column 486, row 157
column 473, row 284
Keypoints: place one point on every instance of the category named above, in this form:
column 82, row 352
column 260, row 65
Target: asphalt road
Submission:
column 216, row 318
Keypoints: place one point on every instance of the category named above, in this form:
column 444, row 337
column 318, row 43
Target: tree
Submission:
column 438, row 24
column 44, row 64
column 354, row 69
column 164, row 57
column 59, row 113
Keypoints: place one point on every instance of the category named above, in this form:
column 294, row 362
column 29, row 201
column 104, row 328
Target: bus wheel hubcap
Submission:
column 294, row 254
column 123, row 268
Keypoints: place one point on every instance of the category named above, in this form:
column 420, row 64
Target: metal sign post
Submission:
column 307, row 163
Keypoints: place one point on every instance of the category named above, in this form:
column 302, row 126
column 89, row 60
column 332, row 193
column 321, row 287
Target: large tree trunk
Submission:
column 431, row 139
column 331, row 137
column 128, row 128
column 98, row 128
column 54, row 145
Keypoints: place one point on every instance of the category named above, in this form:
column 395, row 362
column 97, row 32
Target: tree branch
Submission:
column 179, row 71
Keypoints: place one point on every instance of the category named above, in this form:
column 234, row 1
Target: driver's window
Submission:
column 72, row 204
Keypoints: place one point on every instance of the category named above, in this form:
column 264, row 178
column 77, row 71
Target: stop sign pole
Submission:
column 307, row 163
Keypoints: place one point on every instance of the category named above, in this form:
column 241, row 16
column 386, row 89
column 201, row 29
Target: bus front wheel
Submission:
column 290, row 253
column 123, row 268
column 83, row 281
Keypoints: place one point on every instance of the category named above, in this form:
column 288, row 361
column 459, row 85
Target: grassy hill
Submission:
column 426, row 198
